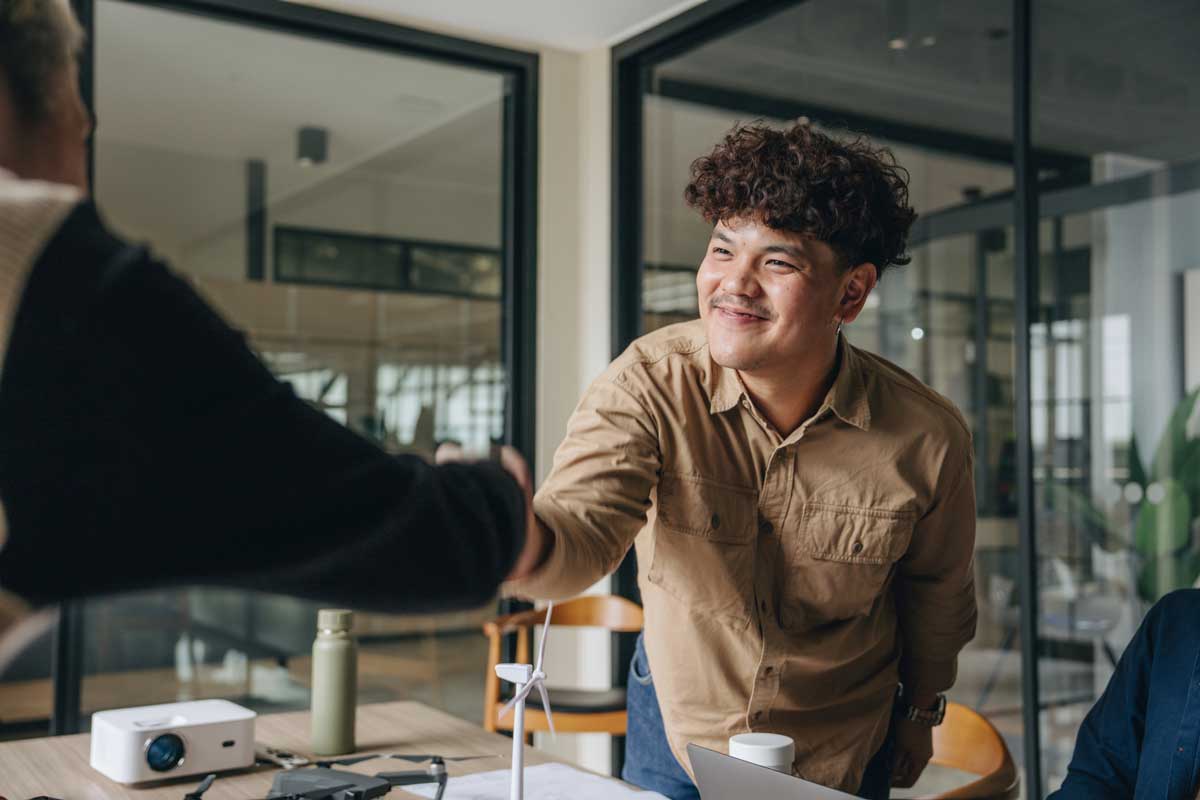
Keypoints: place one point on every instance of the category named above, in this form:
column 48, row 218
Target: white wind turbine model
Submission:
column 526, row 679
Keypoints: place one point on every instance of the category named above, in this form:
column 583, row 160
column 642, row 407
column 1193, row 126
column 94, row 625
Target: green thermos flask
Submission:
column 334, row 683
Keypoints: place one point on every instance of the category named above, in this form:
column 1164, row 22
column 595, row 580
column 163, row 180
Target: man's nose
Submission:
column 740, row 278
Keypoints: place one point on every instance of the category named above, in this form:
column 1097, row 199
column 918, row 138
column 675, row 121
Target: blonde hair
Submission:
column 38, row 40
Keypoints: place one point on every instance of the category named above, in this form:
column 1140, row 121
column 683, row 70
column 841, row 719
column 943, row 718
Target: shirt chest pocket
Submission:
column 704, row 546
column 838, row 563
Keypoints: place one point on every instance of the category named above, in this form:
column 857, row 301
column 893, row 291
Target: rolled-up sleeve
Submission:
column 935, row 585
column 595, row 500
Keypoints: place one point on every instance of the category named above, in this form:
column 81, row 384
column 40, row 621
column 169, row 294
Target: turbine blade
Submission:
column 546, row 707
column 517, row 698
column 545, row 635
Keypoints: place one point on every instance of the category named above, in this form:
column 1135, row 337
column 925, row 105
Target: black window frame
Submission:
column 520, row 72
column 404, row 262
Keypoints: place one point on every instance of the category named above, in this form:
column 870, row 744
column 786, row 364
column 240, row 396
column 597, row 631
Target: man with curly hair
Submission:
column 803, row 510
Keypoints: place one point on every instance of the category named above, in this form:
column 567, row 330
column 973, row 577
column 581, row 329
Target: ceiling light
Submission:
column 928, row 41
column 899, row 43
column 312, row 146
column 918, row 334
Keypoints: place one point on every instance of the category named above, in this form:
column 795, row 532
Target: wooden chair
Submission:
column 575, row 710
column 968, row 742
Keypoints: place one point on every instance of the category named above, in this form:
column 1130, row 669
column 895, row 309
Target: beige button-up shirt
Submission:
column 789, row 582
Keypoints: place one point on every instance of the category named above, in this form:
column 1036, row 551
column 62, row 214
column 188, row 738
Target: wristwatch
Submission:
column 932, row 717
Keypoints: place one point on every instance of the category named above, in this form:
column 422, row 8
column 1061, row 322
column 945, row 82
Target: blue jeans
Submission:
column 650, row 764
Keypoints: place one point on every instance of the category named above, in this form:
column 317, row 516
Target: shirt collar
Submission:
column 725, row 388
column 847, row 398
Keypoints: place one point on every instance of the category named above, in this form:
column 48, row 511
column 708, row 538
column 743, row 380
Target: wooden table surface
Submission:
column 58, row 766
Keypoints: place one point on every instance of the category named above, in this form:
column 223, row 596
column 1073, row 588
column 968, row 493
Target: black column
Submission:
column 66, row 669
column 256, row 219
column 1026, row 305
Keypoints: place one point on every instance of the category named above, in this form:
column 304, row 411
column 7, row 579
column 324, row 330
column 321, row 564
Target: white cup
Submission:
column 771, row 750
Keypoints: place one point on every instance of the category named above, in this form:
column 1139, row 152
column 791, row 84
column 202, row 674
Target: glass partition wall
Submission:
column 356, row 199
column 1114, row 343
column 1114, row 356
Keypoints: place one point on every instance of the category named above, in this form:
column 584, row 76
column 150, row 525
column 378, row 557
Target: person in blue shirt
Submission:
column 1142, row 738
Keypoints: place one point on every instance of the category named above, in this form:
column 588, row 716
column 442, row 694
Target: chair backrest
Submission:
column 607, row 611
column 968, row 742
column 611, row 612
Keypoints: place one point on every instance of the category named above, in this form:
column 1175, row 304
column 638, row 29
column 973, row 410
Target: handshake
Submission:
column 537, row 540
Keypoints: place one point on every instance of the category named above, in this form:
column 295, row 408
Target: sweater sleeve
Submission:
column 179, row 458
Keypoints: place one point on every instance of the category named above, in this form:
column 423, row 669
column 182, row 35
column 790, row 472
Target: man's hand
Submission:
column 914, row 748
column 514, row 464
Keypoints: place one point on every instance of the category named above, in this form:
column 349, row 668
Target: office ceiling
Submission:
column 1109, row 75
column 564, row 24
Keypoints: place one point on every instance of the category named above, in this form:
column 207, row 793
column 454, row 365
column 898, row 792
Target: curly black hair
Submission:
column 850, row 194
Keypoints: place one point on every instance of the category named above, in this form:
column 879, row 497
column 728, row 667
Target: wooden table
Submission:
column 58, row 766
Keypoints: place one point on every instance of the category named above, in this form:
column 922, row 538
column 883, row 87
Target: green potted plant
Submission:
column 1165, row 509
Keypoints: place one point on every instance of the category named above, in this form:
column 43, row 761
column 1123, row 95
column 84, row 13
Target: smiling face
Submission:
column 772, row 300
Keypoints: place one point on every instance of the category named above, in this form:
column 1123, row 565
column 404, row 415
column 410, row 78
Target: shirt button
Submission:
column 757, row 716
column 716, row 520
column 766, row 527
column 768, row 671
column 763, row 605
column 858, row 546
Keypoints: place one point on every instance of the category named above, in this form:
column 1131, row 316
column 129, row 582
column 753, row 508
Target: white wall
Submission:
column 573, row 315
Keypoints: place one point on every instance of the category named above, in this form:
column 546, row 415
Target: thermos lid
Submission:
column 335, row 619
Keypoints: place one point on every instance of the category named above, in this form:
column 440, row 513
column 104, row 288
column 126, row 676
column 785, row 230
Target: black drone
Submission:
column 324, row 782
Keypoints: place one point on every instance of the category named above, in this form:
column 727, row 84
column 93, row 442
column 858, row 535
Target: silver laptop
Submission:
column 722, row 777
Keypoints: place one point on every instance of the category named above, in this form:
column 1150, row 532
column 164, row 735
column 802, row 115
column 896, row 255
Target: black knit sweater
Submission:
column 143, row 444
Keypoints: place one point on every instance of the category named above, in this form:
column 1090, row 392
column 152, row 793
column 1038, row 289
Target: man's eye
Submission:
column 721, row 251
column 784, row 264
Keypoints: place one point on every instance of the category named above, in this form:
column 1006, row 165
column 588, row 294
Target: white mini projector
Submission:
column 130, row 745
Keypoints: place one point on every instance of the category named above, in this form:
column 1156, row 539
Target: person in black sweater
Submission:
column 143, row 444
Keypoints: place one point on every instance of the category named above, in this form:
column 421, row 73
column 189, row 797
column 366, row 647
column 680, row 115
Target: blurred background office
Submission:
column 441, row 224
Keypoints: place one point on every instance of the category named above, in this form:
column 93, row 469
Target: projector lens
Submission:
column 165, row 752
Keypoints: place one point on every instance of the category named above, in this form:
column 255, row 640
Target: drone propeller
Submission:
column 198, row 792
column 345, row 762
column 416, row 759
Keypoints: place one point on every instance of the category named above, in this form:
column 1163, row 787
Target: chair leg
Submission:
column 491, row 685
column 618, row 755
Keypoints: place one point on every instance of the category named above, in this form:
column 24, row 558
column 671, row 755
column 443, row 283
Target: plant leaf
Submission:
column 1137, row 468
column 1081, row 510
column 1169, row 458
column 1165, row 574
column 1189, row 470
column 1164, row 528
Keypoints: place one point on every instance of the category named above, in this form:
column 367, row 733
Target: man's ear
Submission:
column 857, row 285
